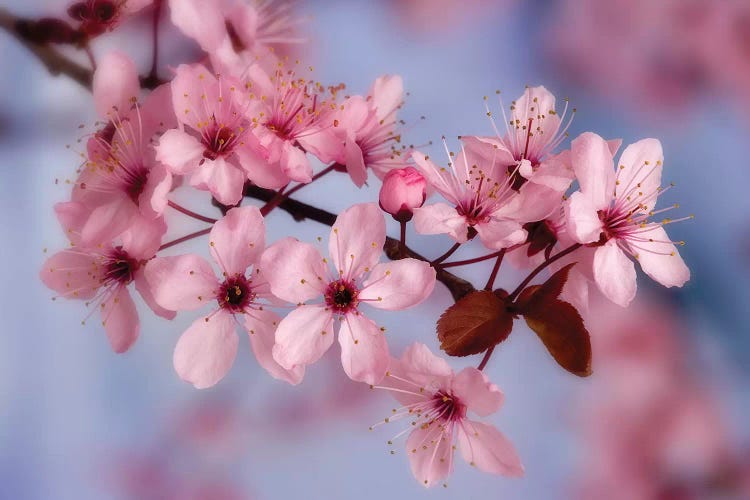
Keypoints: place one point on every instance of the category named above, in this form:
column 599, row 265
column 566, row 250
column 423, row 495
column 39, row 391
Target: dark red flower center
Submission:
column 235, row 294
column 447, row 407
column 218, row 140
column 119, row 267
column 341, row 296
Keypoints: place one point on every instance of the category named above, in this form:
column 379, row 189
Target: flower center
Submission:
column 119, row 267
column 341, row 296
column 135, row 182
column 447, row 407
column 218, row 140
column 235, row 294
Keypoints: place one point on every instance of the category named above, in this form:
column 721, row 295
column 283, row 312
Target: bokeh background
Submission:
column 663, row 416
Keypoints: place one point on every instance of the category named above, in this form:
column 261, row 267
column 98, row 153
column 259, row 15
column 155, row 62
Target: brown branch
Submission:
column 300, row 211
column 55, row 62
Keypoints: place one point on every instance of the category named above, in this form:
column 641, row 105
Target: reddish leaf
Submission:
column 557, row 323
column 474, row 324
column 563, row 333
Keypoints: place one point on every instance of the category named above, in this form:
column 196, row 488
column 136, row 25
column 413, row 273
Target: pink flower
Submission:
column 403, row 190
column 481, row 195
column 438, row 401
column 612, row 211
column 121, row 182
column 218, row 150
column 206, row 351
column 298, row 273
column 292, row 117
column 366, row 127
column 101, row 275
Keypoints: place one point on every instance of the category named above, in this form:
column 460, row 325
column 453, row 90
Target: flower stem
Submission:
column 540, row 268
column 184, row 238
column 190, row 213
column 447, row 254
column 486, row 358
column 493, row 275
column 402, row 241
column 471, row 261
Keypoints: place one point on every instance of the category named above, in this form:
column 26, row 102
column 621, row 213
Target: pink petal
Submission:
column 261, row 327
column 592, row 162
column 153, row 199
column 181, row 283
column 488, row 449
column 107, row 222
column 387, row 94
column 357, row 239
column 295, row 270
column 430, row 454
column 120, row 319
column 201, row 20
column 364, row 350
column 141, row 284
column 226, row 181
column 417, row 368
column 325, row 144
column 474, row 389
column 72, row 217
column 582, row 219
column 639, row 172
column 143, row 238
column 497, row 234
column 440, row 218
column 259, row 170
column 398, row 285
column 72, row 273
column 417, row 358
column 355, row 162
column 179, row 151
column 295, row 164
column 303, row 336
column 659, row 258
column 614, row 146
column 614, row 273
column 206, row 350
column 115, row 84
column 237, row 240
column 192, row 88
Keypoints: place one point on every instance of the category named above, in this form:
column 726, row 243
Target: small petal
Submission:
column 592, row 163
column 639, row 172
column 206, row 351
column 72, row 273
column 295, row 164
column 615, row 274
column 355, row 162
column 201, row 20
column 115, row 84
column 488, row 449
column 440, row 218
column 295, row 270
column 141, row 284
column 387, row 94
column 476, row 391
column 237, row 239
column 364, row 350
column 179, row 151
column 261, row 328
column 357, row 239
column 583, row 222
column 303, row 336
column 120, row 319
column 398, row 285
column 181, row 283
column 226, row 181
column 497, row 234
column 660, row 259
column 430, row 454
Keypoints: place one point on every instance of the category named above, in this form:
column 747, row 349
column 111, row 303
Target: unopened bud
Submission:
column 403, row 190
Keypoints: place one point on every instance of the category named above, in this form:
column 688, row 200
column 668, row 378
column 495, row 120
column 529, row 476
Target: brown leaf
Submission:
column 474, row 324
column 563, row 333
column 549, row 290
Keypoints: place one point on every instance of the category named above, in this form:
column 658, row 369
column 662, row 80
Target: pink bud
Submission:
column 403, row 190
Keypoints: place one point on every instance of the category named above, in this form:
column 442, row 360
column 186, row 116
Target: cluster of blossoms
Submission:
column 244, row 123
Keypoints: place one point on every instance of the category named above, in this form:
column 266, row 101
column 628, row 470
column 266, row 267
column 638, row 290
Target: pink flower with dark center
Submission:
column 101, row 275
column 292, row 118
column 206, row 351
column 366, row 127
column 613, row 211
column 482, row 197
column 437, row 402
column 298, row 273
column 219, row 149
column 121, row 182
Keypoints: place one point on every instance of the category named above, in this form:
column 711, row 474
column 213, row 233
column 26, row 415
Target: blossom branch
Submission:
column 190, row 213
column 55, row 62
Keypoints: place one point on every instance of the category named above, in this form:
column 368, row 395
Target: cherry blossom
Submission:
column 613, row 212
column 298, row 273
column 101, row 275
column 437, row 400
column 206, row 350
column 403, row 190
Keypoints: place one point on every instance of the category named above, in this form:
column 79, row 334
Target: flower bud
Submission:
column 403, row 190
